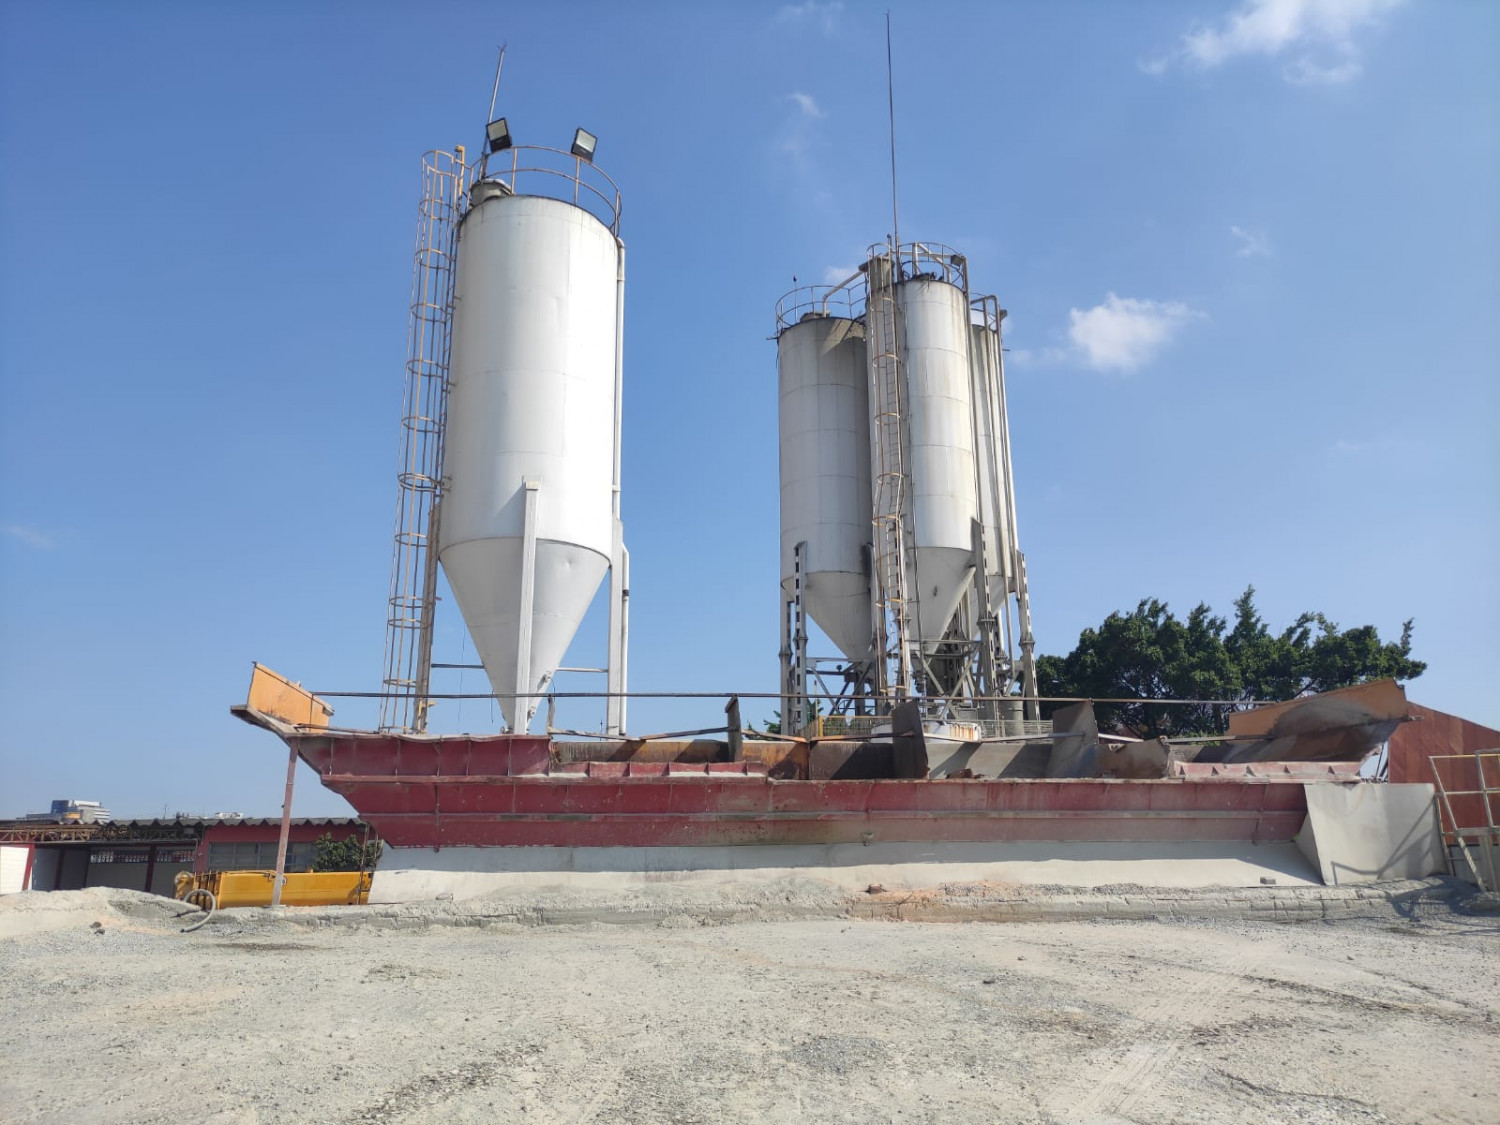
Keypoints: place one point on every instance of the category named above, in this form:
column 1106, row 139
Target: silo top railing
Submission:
column 914, row 261
column 847, row 299
column 930, row 261
column 553, row 174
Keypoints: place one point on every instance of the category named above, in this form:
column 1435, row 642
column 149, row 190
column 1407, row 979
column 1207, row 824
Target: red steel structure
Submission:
column 507, row 791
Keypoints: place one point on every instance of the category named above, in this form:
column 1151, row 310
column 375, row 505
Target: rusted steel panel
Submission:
column 1336, row 725
column 665, row 831
column 1272, row 771
column 598, row 812
column 783, row 760
column 932, row 796
column 491, row 792
column 847, row 761
column 273, row 694
column 1329, row 710
column 603, row 769
column 1437, row 734
column 820, row 796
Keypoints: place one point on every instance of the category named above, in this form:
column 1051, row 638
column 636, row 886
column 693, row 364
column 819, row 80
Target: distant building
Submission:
column 73, row 812
column 44, row 854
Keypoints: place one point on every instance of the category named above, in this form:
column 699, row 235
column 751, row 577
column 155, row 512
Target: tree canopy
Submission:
column 352, row 853
column 1151, row 654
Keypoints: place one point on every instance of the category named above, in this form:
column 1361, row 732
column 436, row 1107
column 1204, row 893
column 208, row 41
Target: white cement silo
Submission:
column 994, row 497
column 527, row 527
column 911, row 567
column 824, row 412
column 943, row 503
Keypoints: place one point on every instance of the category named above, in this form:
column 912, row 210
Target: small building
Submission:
column 148, row 855
column 72, row 812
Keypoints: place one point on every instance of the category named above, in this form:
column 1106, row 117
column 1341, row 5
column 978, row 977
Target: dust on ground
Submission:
column 789, row 1008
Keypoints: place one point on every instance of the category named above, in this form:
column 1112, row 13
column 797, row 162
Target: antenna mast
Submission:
column 495, row 93
column 890, row 91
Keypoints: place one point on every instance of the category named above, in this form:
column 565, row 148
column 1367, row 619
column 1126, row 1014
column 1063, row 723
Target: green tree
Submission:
column 1150, row 654
column 352, row 853
column 773, row 726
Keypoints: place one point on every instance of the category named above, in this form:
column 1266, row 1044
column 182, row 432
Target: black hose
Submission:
column 213, row 904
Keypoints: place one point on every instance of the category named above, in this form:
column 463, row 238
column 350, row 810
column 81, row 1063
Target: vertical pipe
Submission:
column 495, row 92
column 619, row 367
column 286, row 827
column 614, row 707
column 890, row 90
column 619, row 581
column 624, row 633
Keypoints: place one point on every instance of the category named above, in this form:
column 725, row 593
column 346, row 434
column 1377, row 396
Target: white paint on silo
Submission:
column 940, row 448
column 824, row 425
column 993, row 494
column 532, row 399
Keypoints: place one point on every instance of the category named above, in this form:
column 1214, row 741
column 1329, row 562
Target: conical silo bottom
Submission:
column 485, row 576
column 839, row 603
column 942, row 580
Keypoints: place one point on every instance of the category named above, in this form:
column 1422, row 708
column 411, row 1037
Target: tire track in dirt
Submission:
column 1110, row 1086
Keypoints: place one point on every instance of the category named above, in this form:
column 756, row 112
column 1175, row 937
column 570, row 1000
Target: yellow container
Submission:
column 302, row 888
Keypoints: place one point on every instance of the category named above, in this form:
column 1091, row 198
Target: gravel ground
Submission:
column 109, row 1014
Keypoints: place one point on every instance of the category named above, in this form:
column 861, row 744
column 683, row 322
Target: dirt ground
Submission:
column 108, row 1013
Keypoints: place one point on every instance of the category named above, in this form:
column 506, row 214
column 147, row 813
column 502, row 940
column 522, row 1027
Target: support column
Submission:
column 286, row 827
column 522, row 705
column 784, row 658
column 799, row 716
column 1028, row 642
column 989, row 680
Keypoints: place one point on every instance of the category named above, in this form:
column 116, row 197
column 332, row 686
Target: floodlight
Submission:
column 584, row 144
column 497, row 132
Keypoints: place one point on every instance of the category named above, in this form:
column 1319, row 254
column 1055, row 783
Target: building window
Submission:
column 240, row 856
column 177, row 855
column 120, row 855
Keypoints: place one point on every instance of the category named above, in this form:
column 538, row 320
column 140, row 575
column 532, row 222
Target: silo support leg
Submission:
column 523, row 701
column 619, row 633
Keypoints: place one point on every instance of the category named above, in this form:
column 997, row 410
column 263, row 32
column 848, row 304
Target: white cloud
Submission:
column 1305, row 72
column 1252, row 244
column 29, row 536
column 1320, row 33
column 822, row 14
column 808, row 105
column 1037, row 357
column 835, row 274
column 1125, row 333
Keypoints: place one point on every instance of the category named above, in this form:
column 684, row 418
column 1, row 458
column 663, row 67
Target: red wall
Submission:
column 239, row 832
column 1434, row 734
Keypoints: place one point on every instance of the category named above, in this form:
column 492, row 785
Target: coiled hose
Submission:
column 213, row 904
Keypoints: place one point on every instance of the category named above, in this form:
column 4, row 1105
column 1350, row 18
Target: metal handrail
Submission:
column 1487, row 832
column 607, row 193
column 931, row 260
column 846, row 299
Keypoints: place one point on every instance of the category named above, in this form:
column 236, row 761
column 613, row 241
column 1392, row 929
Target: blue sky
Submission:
column 1249, row 249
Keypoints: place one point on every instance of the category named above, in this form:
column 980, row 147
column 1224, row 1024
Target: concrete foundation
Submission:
column 424, row 874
